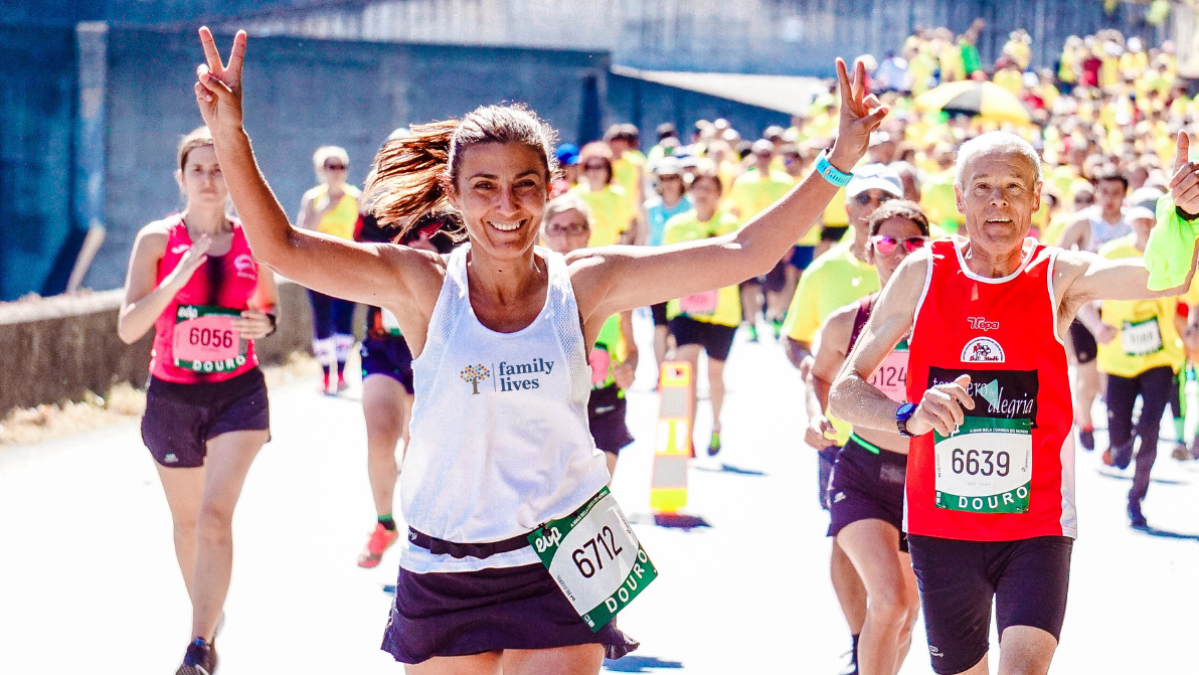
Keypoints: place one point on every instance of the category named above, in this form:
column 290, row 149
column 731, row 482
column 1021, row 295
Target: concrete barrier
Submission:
column 57, row 348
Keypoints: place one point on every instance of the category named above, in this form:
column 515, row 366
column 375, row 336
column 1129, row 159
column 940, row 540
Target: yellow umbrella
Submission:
column 979, row 99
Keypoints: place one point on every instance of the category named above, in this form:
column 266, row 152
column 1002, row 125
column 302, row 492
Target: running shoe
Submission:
column 851, row 664
column 200, row 659
column 753, row 332
column 777, row 327
column 1195, row 448
column 714, row 444
column 1180, row 452
column 1086, row 438
column 324, row 388
column 1135, row 518
column 381, row 540
column 341, row 383
column 1107, row 457
column 1122, row 456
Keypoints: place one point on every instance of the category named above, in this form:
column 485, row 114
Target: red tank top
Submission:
column 1008, row 471
column 193, row 337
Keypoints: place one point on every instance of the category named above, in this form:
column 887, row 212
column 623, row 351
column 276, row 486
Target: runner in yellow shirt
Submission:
column 615, row 220
column 331, row 208
column 752, row 193
column 1141, row 351
column 707, row 320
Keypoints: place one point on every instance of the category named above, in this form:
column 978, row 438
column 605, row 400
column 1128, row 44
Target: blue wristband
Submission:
column 831, row 173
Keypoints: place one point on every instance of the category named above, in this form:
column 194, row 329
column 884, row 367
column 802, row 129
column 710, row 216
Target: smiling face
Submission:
column 501, row 191
column 998, row 195
column 201, row 179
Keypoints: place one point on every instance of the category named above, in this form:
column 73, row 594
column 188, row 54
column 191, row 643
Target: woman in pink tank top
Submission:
column 193, row 279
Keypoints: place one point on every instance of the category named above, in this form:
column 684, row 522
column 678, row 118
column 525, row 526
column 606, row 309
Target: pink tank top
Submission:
column 194, row 340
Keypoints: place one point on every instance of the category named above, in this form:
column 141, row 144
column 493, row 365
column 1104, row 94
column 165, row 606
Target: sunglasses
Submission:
column 594, row 167
column 864, row 198
column 886, row 245
column 335, row 167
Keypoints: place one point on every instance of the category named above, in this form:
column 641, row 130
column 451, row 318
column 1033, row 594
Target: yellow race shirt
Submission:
column 832, row 281
column 721, row 306
column 1146, row 336
column 626, row 172
column 342, row 218
column 611, row 212
column 939, row 201
column 753, row 192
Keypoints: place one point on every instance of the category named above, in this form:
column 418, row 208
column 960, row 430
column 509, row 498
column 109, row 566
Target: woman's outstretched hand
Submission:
column 861, row 113
column 218, row 89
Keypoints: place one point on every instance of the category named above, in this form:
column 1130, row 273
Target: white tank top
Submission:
column 500, row 442
column 1103, row 231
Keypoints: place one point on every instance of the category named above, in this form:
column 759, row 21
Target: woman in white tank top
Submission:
column 500, row 331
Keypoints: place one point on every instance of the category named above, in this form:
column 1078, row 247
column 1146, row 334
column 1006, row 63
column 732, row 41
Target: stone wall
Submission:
column 58, row 348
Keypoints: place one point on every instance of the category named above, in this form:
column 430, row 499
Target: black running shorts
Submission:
column 1027, row 580
column 867, row 484
column 606, row 410
column 1085, row 347
column 716, row 339
column 388, row 356
column 180, row 419
column 658, row 311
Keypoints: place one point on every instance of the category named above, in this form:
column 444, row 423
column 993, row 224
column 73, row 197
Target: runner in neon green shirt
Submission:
column 705, row 321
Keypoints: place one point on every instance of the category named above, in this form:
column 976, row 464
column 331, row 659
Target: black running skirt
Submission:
column 463, row 613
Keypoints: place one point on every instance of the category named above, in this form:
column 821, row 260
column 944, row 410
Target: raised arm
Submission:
column 1083, row 277
column 380, row 275
column 620, row 278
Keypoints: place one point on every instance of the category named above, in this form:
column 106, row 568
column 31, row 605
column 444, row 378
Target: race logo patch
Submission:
column 982, row 350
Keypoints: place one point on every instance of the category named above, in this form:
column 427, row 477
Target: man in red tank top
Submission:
column 989, row 506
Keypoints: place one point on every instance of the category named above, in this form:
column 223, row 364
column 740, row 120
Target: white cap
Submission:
column 1138, row 213
column 875, row 177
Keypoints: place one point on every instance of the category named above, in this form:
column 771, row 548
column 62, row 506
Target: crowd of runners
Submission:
column 933, row 278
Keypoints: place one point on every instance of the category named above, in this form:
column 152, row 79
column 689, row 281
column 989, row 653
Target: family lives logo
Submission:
column 508, row 373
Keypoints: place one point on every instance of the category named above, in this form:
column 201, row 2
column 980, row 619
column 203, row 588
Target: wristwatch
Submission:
column 902, row 416
column 831, row 173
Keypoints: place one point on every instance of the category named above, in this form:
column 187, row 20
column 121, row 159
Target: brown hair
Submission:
column 600, row 151
column 706, row 173
column 410, row 175
column 196, row 138
column 898, row 208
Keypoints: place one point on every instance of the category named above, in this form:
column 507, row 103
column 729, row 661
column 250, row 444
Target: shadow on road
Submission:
column 639, row 664
column 729, row 468
column 679, row 521
column 1167, row 534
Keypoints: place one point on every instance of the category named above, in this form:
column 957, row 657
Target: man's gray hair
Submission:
column 994, row 141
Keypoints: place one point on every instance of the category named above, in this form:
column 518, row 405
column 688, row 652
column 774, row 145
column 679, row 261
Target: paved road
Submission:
column 88, row 580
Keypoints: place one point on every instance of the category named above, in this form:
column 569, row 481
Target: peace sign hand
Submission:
column 861, row 113
column 218, row 91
